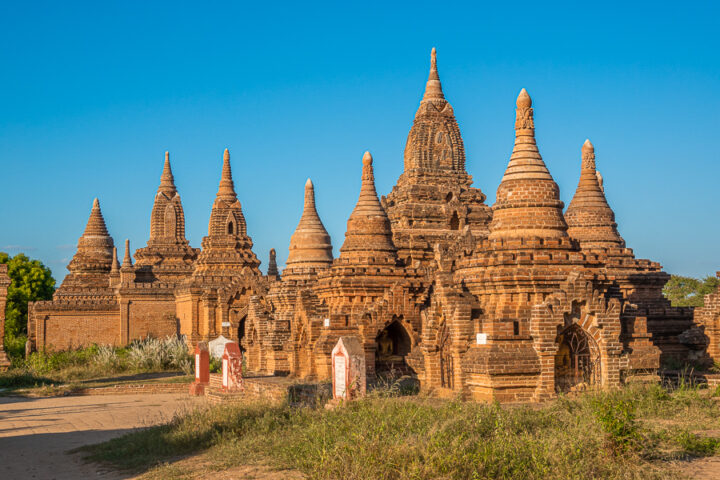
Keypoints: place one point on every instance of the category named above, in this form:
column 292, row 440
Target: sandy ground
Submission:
column 36, row 433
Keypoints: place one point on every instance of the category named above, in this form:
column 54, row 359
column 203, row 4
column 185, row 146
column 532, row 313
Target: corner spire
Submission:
column 310, row 244
column 590, row 219
column 115, row 264
column 433, row 88
column 167, row 181
column 226, row 191
column 127, row 260
column 368, row 232
column 272, row 270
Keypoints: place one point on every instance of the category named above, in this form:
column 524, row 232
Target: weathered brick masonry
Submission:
column 510, row 303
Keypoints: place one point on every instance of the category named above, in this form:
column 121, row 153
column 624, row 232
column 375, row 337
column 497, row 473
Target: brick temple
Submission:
column 513, row 302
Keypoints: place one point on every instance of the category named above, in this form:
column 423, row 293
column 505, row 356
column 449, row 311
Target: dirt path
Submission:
column 35, row 433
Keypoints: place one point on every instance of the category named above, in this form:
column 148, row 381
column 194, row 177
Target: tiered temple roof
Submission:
column 227, row 249
column 90, row 266
column 168, row 256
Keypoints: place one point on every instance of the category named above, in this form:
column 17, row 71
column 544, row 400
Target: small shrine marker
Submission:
column 202, row 369
column 232, row 367
column 348, row 369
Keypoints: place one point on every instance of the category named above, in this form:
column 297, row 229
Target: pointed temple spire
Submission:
column 310, row 245
column 434, row 144
column 589, row 217
column 167, row 181
column 272, row 270
column 433, row 88
column 115, row 264
column 226, row 191
column 528, row 199
column 93, row 259
column 96, row 223
column 368, row 232
column 127, row 260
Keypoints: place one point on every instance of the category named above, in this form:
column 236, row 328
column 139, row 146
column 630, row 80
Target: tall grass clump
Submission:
column 160, row 354
column 141, row 356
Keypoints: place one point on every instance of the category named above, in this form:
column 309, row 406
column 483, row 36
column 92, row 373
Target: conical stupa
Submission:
column 368, row 232
column 590, row 219
column 91, row 264
column 528, row 199
column 310, row 245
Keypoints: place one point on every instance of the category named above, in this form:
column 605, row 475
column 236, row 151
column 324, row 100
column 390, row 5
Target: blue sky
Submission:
column 92, row 94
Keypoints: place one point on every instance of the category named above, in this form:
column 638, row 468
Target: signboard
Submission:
column 481, row 338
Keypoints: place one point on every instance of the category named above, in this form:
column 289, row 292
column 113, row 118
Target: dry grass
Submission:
column 632, row 433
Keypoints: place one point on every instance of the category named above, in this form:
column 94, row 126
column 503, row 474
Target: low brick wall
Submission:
column 139, row 388
column 271, row 389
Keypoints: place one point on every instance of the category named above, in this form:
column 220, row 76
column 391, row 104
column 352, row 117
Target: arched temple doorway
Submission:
column 577, row 361
column 241, row 334
column 393, row 345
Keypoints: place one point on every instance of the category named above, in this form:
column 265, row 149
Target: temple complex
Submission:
column 513, row 302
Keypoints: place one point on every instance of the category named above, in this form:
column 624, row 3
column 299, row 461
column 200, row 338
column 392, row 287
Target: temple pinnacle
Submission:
column 96, row 223
column 310, row 245
column 167, row 181
column 227, row 187
column 433, row 88
column 524, row 100
column 115, row 264
column 590, row 219
column 127, row 261
column 368, row 233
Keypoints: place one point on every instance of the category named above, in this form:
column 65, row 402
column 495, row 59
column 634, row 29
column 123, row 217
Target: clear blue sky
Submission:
column 92, row 94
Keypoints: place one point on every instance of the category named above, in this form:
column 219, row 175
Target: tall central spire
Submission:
column 433, row 88
column 226, row 191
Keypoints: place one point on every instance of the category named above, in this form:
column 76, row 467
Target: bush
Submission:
column 698, row 446
column 617, row 418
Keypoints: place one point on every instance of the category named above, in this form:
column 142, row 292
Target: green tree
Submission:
column 30, row 281
column 688, row 291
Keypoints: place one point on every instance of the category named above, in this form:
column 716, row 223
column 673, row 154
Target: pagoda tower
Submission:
column 535, row 289
column 212, row 300
column 433, row 199
column 590, row 219
column 168, row 256
column 90, row 266
column 227, row 249
column 310, row 245
column 362, row 287
column 298, row 313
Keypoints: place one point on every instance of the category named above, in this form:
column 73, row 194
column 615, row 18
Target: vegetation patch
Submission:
column 625, row 434
column 97, row 365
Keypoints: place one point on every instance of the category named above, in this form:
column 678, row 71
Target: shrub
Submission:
column 699, row 446
column 617, row 418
